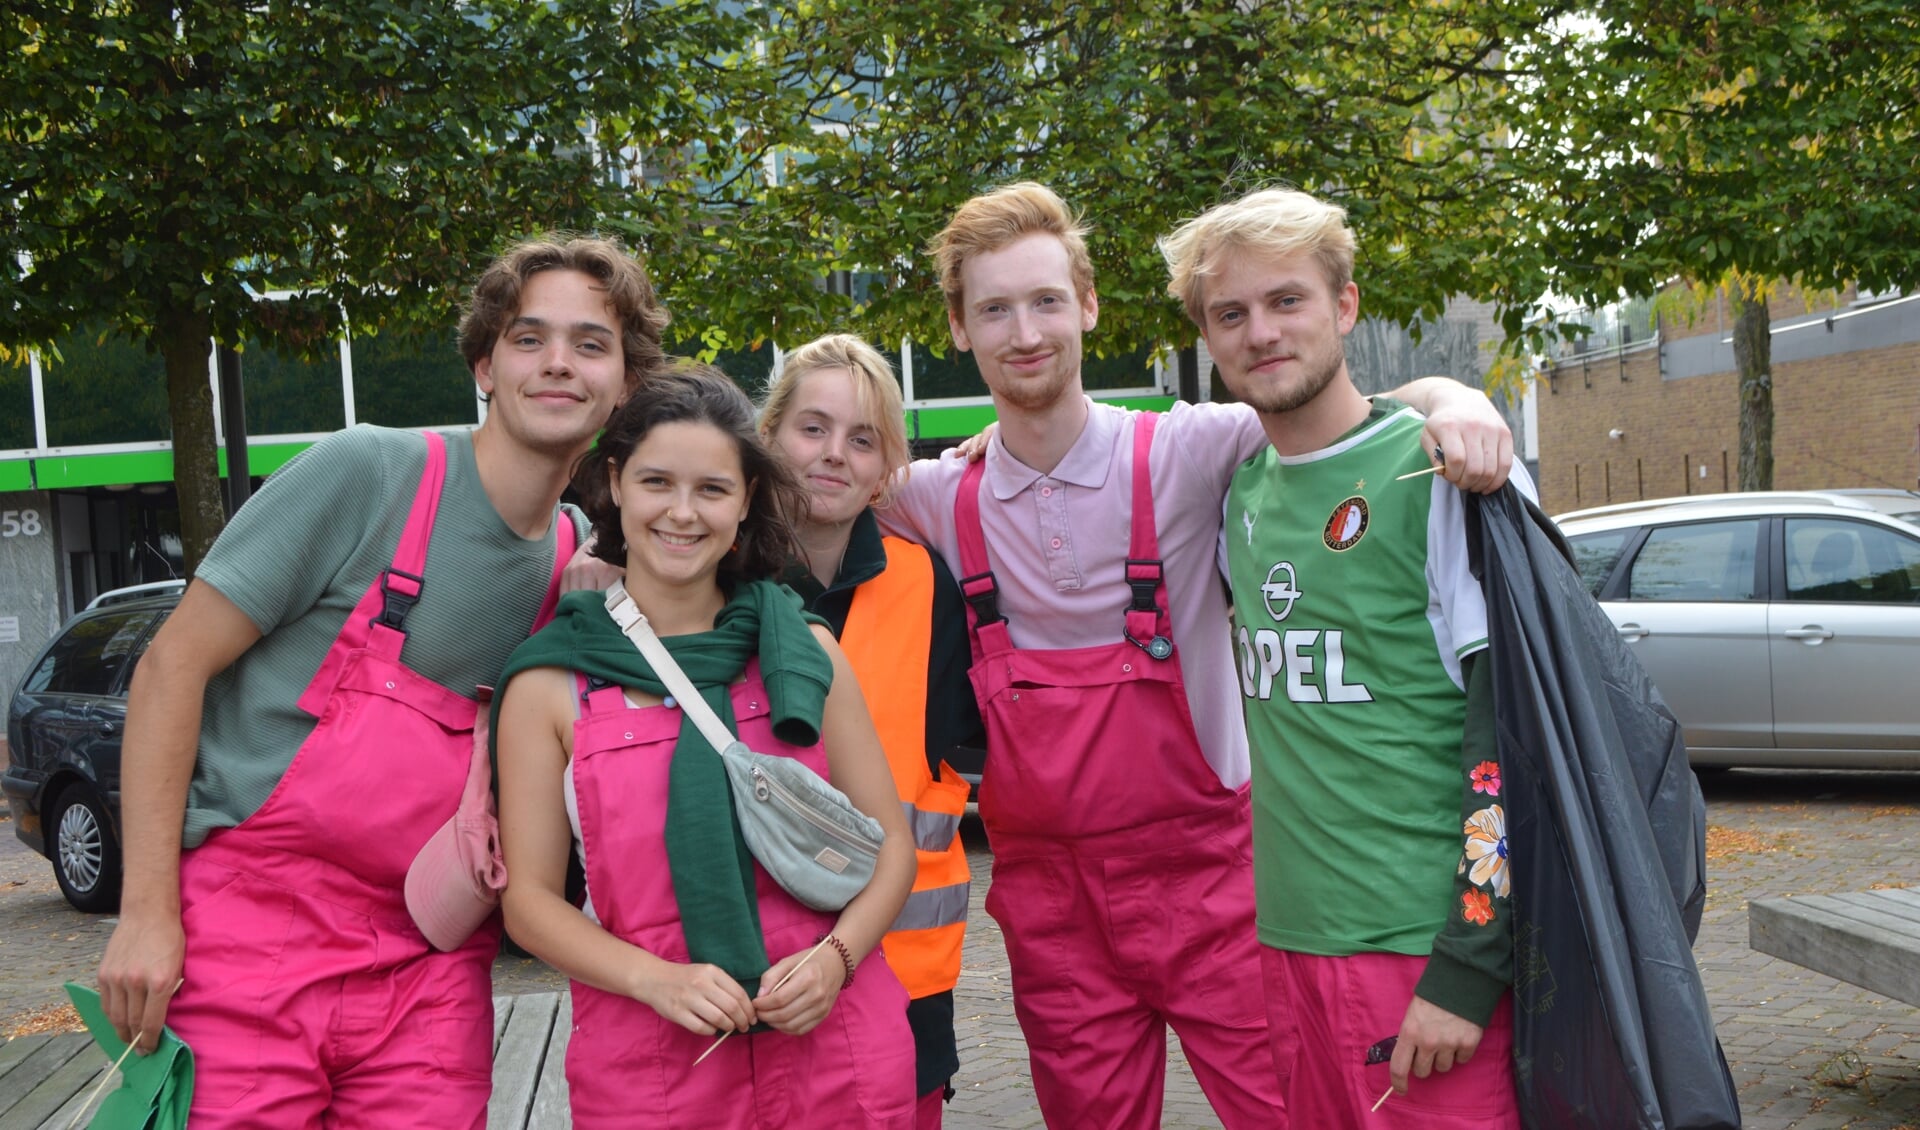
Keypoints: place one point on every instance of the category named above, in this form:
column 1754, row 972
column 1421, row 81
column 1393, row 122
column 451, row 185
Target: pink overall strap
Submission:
column 565, row 538
column 378, row 619
column 602, row 699
column 1148, row 625
column 977, row 586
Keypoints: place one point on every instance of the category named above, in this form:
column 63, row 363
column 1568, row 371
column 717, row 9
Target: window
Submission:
column 102, row 387
column 1700, row 561
column 404, row 380
column 1835, row 561
column 1595, row 554
column 290, row 395
column 88, row 659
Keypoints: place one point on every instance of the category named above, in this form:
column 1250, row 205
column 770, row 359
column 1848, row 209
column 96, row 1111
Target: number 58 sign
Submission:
column 19, row 523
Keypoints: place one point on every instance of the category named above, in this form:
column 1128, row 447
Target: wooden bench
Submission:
column 1866, row 938
column 45, row 1079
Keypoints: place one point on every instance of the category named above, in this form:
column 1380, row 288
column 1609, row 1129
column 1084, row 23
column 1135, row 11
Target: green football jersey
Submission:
column 1353, row 605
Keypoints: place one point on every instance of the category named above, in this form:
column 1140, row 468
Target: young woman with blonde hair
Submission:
column 833, row 416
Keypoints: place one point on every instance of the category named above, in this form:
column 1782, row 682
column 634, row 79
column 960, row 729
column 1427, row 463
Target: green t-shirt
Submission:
column 1353, row 606
column 299, row 556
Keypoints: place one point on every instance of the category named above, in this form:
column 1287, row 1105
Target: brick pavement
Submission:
column 1808, row 1052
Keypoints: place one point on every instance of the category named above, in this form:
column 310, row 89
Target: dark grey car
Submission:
column 64, row 726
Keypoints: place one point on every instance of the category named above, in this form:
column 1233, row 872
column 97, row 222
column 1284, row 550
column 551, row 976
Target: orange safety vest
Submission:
column 887, row 640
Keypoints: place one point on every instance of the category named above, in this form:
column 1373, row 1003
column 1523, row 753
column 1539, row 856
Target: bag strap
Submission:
column 633, row 624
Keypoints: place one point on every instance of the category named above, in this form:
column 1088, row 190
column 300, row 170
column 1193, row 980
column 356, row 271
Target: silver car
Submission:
column 1782, row 627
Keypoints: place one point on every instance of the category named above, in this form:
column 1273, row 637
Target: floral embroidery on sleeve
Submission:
column 1486, row 835
column 1486, row 778
column 1476, row 907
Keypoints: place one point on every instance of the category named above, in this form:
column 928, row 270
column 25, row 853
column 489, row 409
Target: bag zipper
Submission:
column 764, row 784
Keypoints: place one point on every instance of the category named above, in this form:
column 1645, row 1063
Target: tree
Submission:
column 161, row 163
column 1145, row 114
column 1737, row 143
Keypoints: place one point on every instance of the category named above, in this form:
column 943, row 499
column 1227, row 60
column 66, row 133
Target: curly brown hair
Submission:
column 495, row 301
column 694, row 393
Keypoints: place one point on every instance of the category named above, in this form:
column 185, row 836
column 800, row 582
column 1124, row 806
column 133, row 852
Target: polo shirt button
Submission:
column 1046, row 492
column 389, row 686
column 629, row 735
column 1055, row 543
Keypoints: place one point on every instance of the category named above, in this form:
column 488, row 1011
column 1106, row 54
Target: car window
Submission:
column 1696, row 561
column 1837, row 561
column 1595, row 554
column 88, row 658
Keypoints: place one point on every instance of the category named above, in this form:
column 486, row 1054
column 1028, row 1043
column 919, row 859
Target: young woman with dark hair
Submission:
column 683, row 936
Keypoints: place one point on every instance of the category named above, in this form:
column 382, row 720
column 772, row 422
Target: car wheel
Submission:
column 86, row 858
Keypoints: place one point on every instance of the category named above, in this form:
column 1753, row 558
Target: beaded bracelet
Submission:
column 846, row 957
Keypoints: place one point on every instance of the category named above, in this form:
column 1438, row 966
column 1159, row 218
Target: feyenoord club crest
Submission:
column 1346, row 525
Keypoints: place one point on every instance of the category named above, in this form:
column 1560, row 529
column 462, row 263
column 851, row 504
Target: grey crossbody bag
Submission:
column 806, row 833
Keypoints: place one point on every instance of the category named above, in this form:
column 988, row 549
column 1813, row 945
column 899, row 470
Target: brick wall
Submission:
column 1715, row 314
column 1839, row 421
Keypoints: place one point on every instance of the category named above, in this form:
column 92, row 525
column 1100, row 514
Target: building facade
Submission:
column 1657, row 415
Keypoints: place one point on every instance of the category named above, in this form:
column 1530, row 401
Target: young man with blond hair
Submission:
column 302, row 724
column 1115, row 793
column 1379, row 844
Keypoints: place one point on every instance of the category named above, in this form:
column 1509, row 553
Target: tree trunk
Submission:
column 1753, row 360
column 184, row 340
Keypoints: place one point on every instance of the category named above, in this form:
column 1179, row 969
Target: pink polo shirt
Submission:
column 1058, row 544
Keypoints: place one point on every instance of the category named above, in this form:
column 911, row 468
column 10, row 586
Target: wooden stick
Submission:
column 1377, row 1103
column 775, row 989
column 124, row 1053
column 1423, row 471
column 104, row 1080
column 715, row 1044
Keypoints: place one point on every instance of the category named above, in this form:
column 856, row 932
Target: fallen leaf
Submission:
column 48, row 1018
column 1723, row 842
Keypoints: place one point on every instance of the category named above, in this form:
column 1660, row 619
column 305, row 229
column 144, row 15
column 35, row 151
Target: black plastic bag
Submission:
column 1607, row 835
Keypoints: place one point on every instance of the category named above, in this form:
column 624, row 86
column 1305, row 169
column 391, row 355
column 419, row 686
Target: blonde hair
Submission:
column 1275, row 222
column 875, row 391
column 995, row 219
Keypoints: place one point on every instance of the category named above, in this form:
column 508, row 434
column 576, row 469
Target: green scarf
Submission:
column 711, row 867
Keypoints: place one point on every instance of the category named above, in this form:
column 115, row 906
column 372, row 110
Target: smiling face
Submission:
column 556, row 373
column 1274, row 327
column 682, row 496
column 826, row 440
column 1023, row 322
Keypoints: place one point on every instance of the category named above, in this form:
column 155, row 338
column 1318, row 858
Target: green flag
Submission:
column 155, row 1090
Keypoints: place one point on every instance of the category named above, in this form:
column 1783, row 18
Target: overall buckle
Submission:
column 396, row 601
column 983, row 594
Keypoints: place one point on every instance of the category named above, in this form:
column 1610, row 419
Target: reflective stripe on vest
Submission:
column 937, row 907
column 887, row 640
column 932, row 831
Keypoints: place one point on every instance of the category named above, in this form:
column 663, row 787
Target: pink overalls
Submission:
column 628, row 1067
column 1122, row 866
column 309, row 997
